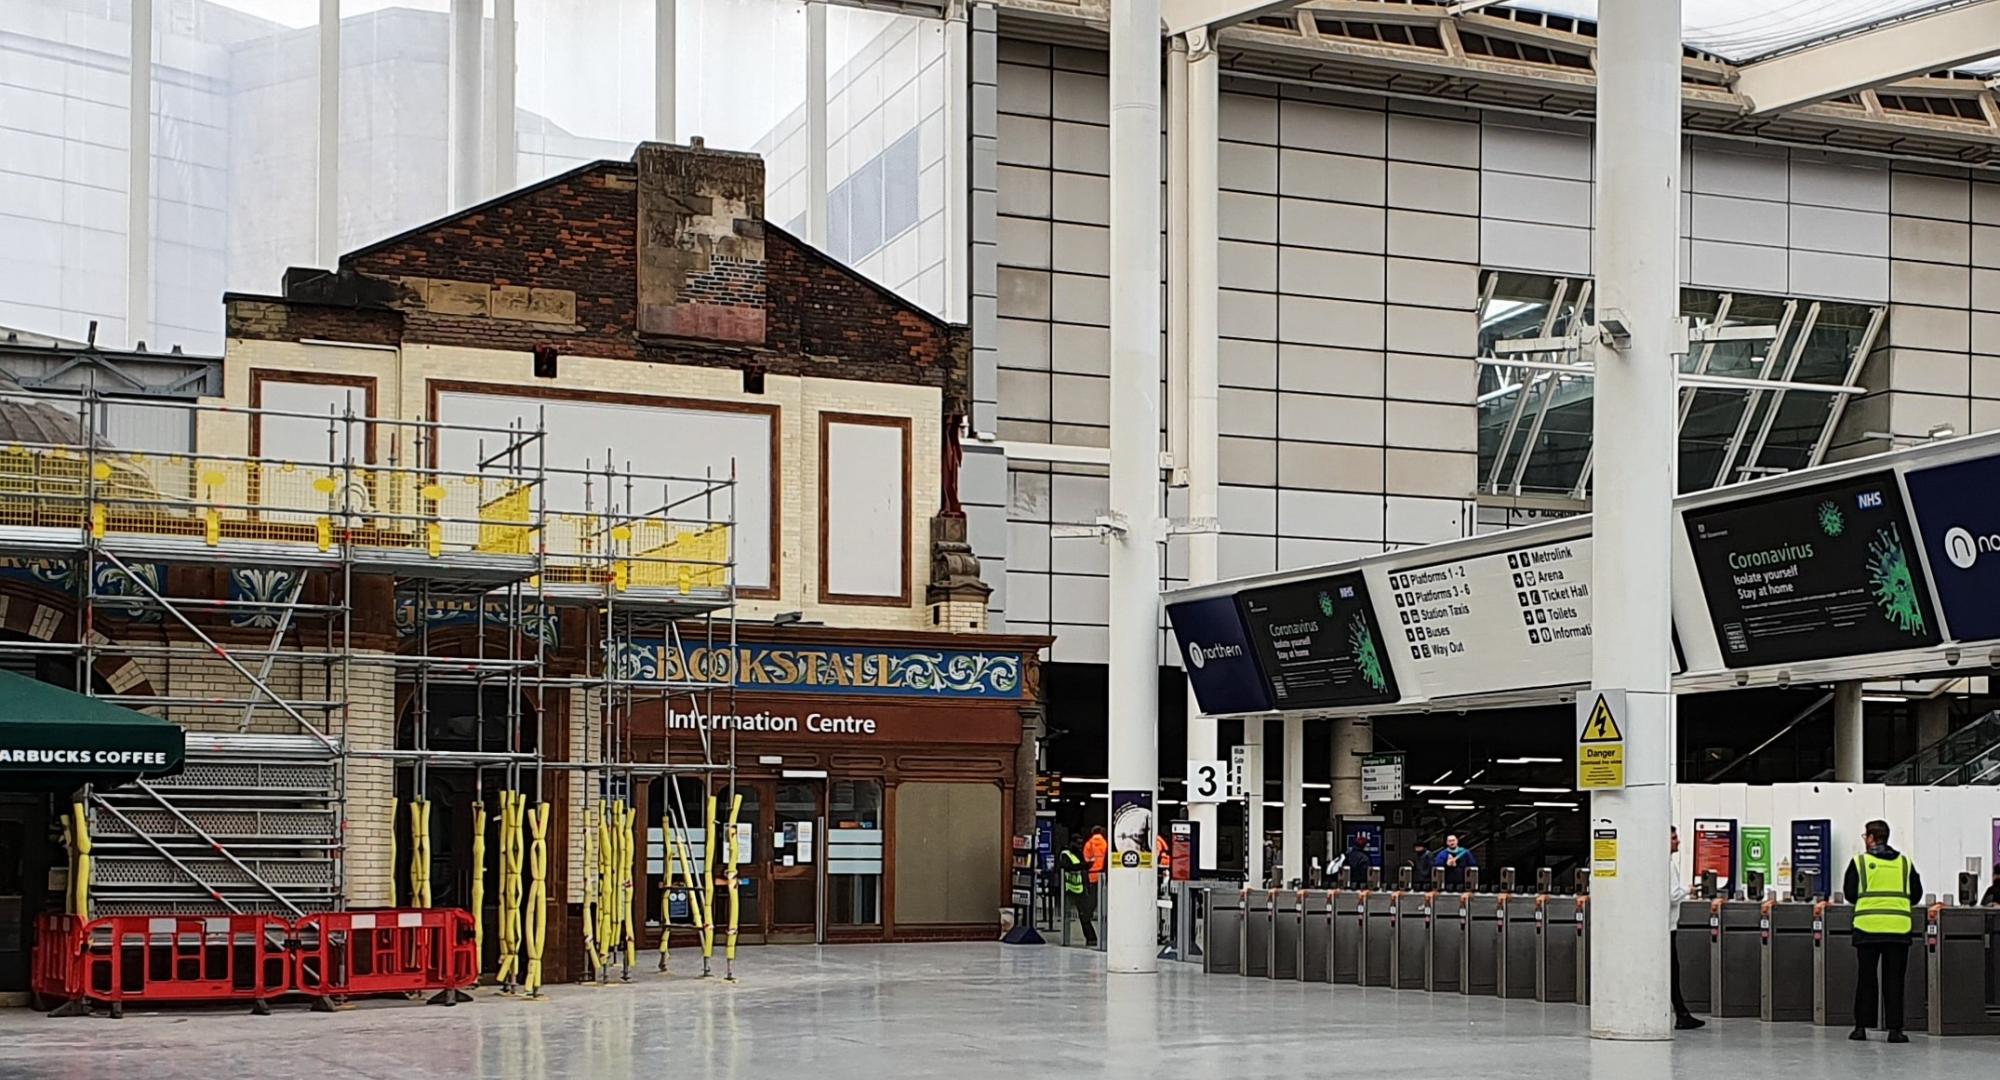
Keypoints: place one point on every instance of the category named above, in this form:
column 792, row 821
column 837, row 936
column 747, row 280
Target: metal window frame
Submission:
column 1522, row 361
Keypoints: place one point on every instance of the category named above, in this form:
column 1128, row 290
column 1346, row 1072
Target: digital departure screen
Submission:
column 1813, row 573
column 1317, row 643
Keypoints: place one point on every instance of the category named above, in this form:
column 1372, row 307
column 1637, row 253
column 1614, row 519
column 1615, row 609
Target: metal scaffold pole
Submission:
column 1639, row 174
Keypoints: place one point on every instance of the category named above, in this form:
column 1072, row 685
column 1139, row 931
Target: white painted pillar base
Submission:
column 1292, row 846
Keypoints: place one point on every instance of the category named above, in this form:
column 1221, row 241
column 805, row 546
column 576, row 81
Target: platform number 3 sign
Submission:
column 1208, row 781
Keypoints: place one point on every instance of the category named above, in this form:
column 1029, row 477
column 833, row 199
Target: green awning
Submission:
column 52, row 739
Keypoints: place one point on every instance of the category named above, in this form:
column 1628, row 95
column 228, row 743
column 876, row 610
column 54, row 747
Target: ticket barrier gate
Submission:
column 1222, row 933
column 1558, row 947
column 1785, row 967
column 1444, row 943
column 1962, row 966
column 1583, row 950
column 1316, row 937
column 1835, row 967
column 1735, row 958
column 1286, row 936
column 1410, row 931
column 1378, row 936
column 1691, row 952
column 1348, row 918
column 1254, row 956
column 1478, row 960
column 1517, row 952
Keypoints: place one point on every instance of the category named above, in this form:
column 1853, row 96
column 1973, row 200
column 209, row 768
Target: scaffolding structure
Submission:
column 232, row 580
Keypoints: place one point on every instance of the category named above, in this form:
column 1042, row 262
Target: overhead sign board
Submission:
column 1207, row 781
column 1812, row 573
column 1318, row 644
column 1382, row 778
column 1509, row 620
column 1958, row 520
column 1600, row 741
column 1215, row 651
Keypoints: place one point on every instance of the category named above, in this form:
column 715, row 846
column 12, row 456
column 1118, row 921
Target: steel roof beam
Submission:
column 1876, row 57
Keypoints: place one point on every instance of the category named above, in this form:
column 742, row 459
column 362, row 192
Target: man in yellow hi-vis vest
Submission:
column 1884, row 888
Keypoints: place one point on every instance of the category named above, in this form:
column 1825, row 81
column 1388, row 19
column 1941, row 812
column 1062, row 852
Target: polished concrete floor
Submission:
column 962, row 1011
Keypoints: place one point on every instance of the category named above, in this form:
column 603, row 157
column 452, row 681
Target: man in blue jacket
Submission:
column 1456, row 861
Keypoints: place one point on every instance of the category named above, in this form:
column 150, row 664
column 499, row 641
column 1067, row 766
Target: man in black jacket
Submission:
column 1884, row 888
column 1992, row 897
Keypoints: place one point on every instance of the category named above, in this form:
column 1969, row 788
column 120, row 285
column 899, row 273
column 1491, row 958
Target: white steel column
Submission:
column 816, row 123
column 1135, row 457
column 464, row 91
column 1638, row 193
column 1292, row 845
column 666, row 70
column 1848, row 734
column 1177, row 258
column 1203, row 447
column 139, row 179
column 958, row 162
column 326, row 222
column 506, row 66
column 1253, row 801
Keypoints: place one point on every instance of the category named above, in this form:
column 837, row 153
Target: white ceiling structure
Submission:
column 1741, row 31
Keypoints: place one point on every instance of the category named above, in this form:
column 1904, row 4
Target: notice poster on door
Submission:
column 805, row 841
column 1715, row 849
column 1812, row 839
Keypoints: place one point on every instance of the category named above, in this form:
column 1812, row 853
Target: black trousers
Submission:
column 1085, row 906
column 1674, row 966
column 1894, row 962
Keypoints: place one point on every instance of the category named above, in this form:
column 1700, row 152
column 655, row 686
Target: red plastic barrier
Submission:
column 362, row 953
column 182, row 958
column 58, row 972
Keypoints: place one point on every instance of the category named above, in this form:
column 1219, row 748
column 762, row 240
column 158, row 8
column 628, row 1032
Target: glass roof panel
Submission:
column 1739, row 30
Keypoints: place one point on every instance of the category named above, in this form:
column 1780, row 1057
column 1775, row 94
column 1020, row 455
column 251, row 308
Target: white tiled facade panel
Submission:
column 1354, row 233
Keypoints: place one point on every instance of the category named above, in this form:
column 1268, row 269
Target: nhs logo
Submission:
column 1869, row 500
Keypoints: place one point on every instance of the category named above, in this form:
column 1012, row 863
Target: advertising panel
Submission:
column 1215, row 651
column 1318, row 644
column 1959, row 522
column 1813, row 573
column 1715, row 849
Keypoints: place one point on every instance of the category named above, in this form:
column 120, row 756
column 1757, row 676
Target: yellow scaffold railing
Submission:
column 707, row 879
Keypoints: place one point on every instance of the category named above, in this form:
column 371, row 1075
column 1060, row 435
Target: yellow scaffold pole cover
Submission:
column 735, row 897
column 510, row 888
column 79, row 878
column 420, row 853
column 708, row 876
column 627, row 846
column 538, row 896
column 607, row 888
column 593, row 830
column 479, row 886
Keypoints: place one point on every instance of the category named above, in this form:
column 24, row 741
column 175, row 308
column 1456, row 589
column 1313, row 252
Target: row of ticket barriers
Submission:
column 1774, row 960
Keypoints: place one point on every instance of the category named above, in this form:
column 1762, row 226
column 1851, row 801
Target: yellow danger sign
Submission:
column 1601, row 726
column 1600, row 742
column 1604, row 853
